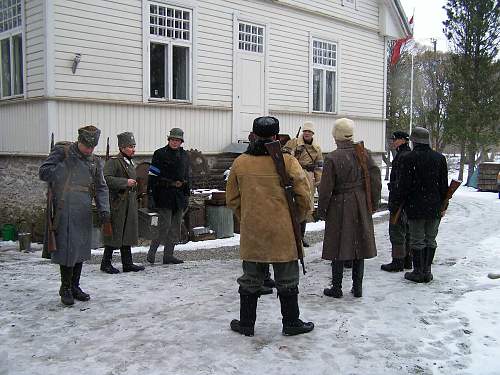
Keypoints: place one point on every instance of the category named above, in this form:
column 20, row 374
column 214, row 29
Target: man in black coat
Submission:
column 399, row 231
column 423, row 187
column 168, row 194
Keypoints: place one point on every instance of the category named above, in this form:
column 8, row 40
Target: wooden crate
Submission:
column 488, row 172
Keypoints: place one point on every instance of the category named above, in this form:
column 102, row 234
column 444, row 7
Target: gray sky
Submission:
column 428, row 21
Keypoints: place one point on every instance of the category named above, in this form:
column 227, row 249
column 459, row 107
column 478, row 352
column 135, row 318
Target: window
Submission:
column 324, row 76
column 250, row 37
column 11, row 48
column 350, row 3
column 170, row 50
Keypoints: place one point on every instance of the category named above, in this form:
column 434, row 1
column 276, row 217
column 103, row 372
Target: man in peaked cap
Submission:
column 169, row 188
column 423, row 186
column 254, row 193
column 398, row 232
column 310, row 157
column 120, row 175
column 76, row 176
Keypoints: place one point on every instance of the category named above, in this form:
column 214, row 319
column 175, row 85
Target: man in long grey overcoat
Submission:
column 120, row 175
column 342, row 203
column 76, row 175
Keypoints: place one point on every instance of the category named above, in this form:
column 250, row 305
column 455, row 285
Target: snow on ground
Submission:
column 175, row 319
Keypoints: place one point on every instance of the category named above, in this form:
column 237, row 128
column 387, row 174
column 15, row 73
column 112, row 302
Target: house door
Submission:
column 249, row 80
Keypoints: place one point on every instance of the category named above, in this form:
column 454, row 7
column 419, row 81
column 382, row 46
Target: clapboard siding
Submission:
column 35, row 48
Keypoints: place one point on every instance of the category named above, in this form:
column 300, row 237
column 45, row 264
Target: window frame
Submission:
column 335, row 69
column 170, row 43
column 10, row 34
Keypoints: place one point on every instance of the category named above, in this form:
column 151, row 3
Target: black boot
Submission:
column 65, row 290
column 78, row 293
column 106, row 265
column 417, row 275
column 292, row 325
column 128, row 265
column 168, row 255
column 407, row 264
column 248, row 314
column 427, row 267
column 152, row 251
column 358, row 269
column 396, row 265
column 337, row 273
column 303, row 232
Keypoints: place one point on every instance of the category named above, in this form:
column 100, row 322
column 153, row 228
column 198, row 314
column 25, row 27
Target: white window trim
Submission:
column 19, row 30
column 147, row 39
column 353, row 5
column 312, row 38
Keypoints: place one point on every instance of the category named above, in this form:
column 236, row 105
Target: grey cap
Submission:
column 89, row 135
column 126, row 139
column 420, row 135
column 177, row 133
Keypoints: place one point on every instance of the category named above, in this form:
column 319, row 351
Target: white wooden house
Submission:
column 208, row 67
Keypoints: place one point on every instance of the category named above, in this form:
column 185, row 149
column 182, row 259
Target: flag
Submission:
column 396, row 50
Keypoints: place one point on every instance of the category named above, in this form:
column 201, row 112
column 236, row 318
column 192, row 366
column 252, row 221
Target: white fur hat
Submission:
column 308, row 126
column 343, row 129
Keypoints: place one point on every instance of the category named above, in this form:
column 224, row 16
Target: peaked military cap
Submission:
column 420, row 135
column 266, row 126
column 176, row 133
column 126, row 139
column 400, row 135
column 89, row 135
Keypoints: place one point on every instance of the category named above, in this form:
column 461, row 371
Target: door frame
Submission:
column 237, row 17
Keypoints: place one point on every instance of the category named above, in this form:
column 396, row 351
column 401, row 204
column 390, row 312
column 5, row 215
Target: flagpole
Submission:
column 411, row 94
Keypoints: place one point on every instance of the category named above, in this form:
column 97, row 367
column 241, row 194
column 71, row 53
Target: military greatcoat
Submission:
column 74, row 176
column 123, row 201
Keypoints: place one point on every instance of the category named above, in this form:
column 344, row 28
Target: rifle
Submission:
column 274, row 149
column 107, row 149
column 49, row 243
column 359, row 148
column 454, row 184
column 298, row 132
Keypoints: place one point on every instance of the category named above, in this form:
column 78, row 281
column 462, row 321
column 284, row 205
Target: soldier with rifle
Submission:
column 270, row 233
column 310, row 157
column 399, row 232
column 348, row 195
column 76, row 177
column 424, row 195
column 120, row 175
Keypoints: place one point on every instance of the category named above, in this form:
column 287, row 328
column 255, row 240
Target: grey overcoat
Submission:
column 123, row 201
column 71, row 178
column 342, row 203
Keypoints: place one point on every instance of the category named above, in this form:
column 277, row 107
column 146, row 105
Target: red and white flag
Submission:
column 396, row 50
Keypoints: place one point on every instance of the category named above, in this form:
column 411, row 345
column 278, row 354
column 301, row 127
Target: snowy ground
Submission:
column 175, row 319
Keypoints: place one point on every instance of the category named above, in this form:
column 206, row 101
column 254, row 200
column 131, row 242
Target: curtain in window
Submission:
column 5, row 67
column 180, row 70
column 17, row 60
column 317, row 89
column 330, row 91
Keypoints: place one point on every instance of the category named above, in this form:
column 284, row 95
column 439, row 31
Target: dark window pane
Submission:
column 5, row 67
column 180, row 70
column 158, row 70
column 317, row 90
column 17, row 60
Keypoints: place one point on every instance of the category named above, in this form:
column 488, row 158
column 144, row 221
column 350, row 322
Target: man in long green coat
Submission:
column 120, row 175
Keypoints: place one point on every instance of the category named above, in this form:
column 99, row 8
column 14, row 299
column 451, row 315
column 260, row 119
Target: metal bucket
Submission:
column 24, row 241
column 220, row 219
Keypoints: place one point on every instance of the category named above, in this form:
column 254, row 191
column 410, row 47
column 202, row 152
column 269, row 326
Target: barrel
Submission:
column 24, row 241
column 220, row 220
column 8, row 232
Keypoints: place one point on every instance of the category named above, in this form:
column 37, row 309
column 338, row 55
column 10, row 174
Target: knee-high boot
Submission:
column 152, row 251
column 248, row 314
column 292, row 325
column 168, row 255
column 427, row 267
column 128, row 265
column 337, row 274
column 65, row 289
column 78, row 293
column 417, row 275
column 358, row 268
column 107, row 257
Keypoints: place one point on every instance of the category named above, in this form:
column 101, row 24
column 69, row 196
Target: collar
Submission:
column 345, row 144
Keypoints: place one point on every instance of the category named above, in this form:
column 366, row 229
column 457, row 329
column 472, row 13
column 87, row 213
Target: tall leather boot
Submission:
column 152, row 251
column 248, row 314
column 396, row 265
column 427, row 267
column 337, row 274
column 107, row 257
column 168, row 255
column 65, row 289
column 358, row 269
column 303, row 233
column 128, row 265
column 292, row 325
column 417, row 275
column 78, row 293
